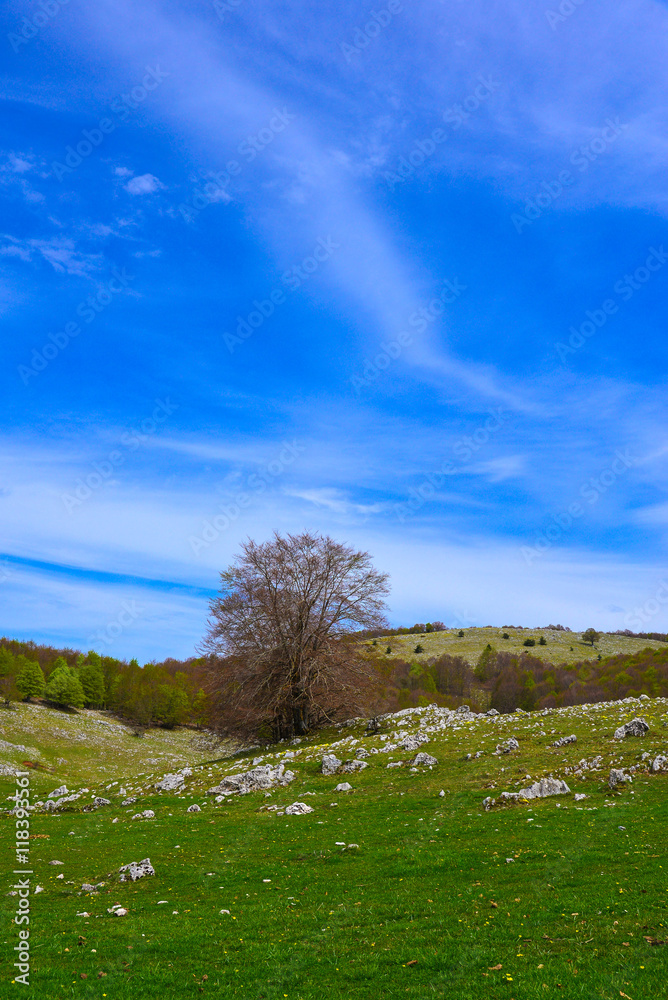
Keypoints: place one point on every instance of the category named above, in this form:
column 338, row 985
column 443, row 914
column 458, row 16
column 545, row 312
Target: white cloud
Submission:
column 60, row 252
column 144, row 184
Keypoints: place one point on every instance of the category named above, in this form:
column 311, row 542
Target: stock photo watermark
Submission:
column 223, row 7
column 215, row 188
column 591, row 491
column 256, row 484
column 128, row 615
column 21, row 888
column 582, row 158
column 640, row 616
column 87, row 310
column 121, row 106
column 464, row 450
column 625, row 288
column 292, row 279
column 565, row 10
column 104, row 469
column 455, row 116
column 44, row 13
column 363, row 36
column 418, row 321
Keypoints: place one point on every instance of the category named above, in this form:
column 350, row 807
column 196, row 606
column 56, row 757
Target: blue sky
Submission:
column 395, row 273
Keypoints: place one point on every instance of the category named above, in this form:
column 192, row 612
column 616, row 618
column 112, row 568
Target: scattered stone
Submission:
column 98, row 801
column 464, row 710
column 343, row 787
column 353, row 765
column 618, row 777
column 565, row 740
column 38, row 888
column 56, row 862
column 330, row 764
column 396, row 763
column 579, row 796
column 441, row 794
column 129, row 802
column 146, row 814
column 136, row 870
column 412, row 743
column 56, row 793
column 121, row 912
column 636, row 727
column 508, row 746
column 194, row 808
column 298, row 809
column 87, row 887
column 256, row 780
column 424, row 759
column 353, row 847
column 539, row 790
column 169, row 783
column 492, row 712
column 660, row 763
column 224, row 911
column 83, row 914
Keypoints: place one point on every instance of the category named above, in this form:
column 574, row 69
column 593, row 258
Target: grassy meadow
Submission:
column 561, row 647
column 549, row 898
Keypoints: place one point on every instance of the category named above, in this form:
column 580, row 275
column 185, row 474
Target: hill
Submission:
column 561, row 646
column 404, row 886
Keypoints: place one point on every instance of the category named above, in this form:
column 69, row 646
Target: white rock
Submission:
column 330, row 764
column 169, row 783
column 298, row 809
column 353, row 765
column 194, row 808
column 122, row 912
column 136, row 870
column 424, row 759
column 636, row 727
column 343, row 787
column 224, row 911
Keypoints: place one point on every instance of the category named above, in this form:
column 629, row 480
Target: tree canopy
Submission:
column 277, row 633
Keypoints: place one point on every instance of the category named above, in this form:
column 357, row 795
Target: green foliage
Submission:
column 92, row 682
column 7, row 664
column 461, row 634
column 542, row 641
column 591, row 636
column 419, row 649
column 64, row 687
column 429, row 627
column 483, row 669
column 505, row 636
column 29, row 678
column 529, row 642
column 388, row 649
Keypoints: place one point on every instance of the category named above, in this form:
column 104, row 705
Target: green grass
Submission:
column 474, row 640
column 573, row 906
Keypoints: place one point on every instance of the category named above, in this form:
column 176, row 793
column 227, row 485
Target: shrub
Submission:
column 542, row 641
column 505, row 636
column 529, row 642
column 419, row 648
column 388, row 649
column 460, row 634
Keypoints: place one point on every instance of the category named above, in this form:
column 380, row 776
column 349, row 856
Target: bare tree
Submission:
column 282, row 658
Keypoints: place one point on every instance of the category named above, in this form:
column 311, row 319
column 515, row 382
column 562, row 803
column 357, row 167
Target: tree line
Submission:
column 166, row 694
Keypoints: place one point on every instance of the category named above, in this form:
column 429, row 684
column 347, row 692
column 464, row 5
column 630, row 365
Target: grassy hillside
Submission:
column 562, row 647
column 439, row 898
